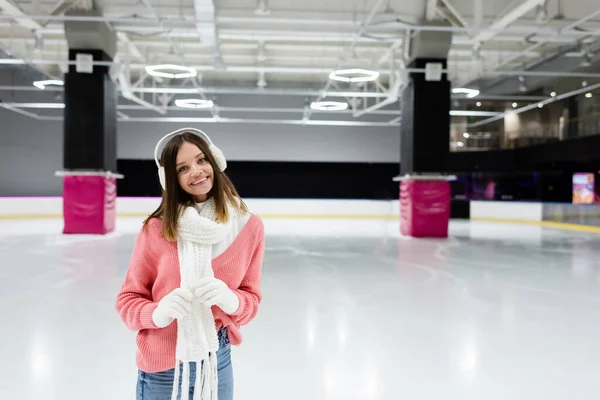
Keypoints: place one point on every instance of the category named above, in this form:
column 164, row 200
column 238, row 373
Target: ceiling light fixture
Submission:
column 159, row 70
column 194, row 103
column 356, row 75
column 329, row 106
column 588, row 95
column 469, row 92
column 553, row 94
column 42, row 84
column 514, row 105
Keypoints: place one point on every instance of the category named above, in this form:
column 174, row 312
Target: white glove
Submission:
column 213, row 291
column 176, row 304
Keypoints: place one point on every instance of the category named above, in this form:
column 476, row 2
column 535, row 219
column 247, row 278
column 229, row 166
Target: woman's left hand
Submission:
column 213, row 291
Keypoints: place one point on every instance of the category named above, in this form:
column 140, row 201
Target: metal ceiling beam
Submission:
column 350, row 49
column 263, row 121
column 329, row 49
column 184, row 29
column 455, row 15
column 280, row 92
column 501, row 24
column 130, row 107
column 131, row 46
column 18, row 15
column 305, row 70
column 18, row 110
column 431, row 9
column 571, row 26
column 477, row 16
column 206, row 27
column 219, row 120
column 533, row 106
column 221, row 90
column 64, row 5
column 180, row 16
column 200, row 68
column 243, row 109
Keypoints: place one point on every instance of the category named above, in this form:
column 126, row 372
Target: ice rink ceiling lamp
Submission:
column 50, row 82
column 354, row 75
column 171, row 71
column 470, row 93
column 329, row 106
column 194, row 103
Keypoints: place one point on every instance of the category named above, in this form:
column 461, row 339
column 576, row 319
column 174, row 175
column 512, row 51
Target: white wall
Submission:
column 250, row 142
column 31, row 150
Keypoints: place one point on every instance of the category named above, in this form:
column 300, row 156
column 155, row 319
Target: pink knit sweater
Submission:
column 154, row 272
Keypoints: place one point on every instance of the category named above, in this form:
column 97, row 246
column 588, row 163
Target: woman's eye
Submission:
column 202, row 161
column 181, row 169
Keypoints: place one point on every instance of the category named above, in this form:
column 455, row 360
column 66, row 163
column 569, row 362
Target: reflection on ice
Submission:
column 351, row 310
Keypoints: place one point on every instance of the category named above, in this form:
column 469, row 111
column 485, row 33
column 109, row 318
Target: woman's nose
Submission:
column 196, row 169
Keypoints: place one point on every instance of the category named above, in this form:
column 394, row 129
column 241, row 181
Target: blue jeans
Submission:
column 159, row 385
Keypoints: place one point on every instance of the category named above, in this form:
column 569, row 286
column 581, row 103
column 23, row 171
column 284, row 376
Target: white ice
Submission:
column 351, row 311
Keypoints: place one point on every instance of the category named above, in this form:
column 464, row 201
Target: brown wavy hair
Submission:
column 175, row 199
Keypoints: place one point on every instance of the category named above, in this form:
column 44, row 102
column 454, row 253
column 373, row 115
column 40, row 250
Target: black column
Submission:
column 425, row 125
column 90, row 116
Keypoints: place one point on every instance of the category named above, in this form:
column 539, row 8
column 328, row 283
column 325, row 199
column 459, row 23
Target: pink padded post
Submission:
column 424, row 208
column 89, row 204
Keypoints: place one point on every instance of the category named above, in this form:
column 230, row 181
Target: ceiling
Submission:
column 286, row 49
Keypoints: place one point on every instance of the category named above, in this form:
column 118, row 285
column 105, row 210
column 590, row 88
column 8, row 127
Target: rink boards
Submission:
column 582, row 217
column 51, row 207
column 562, row 215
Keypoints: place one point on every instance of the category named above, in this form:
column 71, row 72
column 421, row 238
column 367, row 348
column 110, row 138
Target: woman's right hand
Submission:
column 175, row 305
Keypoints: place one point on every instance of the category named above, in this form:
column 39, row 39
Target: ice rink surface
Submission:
column 351, row 311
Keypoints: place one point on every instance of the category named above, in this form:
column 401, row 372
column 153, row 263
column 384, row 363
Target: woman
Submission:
column 194, row 276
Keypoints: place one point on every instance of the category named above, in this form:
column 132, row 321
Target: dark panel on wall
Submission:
column 557, row 156
column 513, row 186
column 495, row 160
column 256, row 179
column 141, row 178
column 460, row 209
column 553, row 163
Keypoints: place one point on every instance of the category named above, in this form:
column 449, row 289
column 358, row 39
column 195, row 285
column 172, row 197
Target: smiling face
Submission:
column 194, row 171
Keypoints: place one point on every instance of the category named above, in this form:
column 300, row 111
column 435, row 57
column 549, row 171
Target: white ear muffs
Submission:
column 218, row 156
column 214, row 150
column 161, row 177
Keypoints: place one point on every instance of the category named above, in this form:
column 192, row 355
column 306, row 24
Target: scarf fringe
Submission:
column 209, row 383
column 175, row 382
column 206, row 384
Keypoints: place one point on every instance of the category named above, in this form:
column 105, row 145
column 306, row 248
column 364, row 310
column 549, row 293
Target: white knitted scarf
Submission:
column 197, row 339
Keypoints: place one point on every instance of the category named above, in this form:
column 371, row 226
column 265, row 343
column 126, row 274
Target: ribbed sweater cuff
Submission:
column 146, row 316
column 241, row 306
